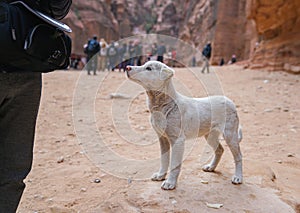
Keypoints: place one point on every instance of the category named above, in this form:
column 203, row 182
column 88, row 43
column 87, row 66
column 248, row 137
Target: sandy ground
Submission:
column 94, row 153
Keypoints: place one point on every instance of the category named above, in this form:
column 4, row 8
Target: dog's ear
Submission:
column 166, row 73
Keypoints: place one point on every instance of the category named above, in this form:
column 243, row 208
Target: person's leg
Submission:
column 95, row 64
column 113, row 63
column 102, row 63
column 205, row 64
column 88, row 65
column 19, row 103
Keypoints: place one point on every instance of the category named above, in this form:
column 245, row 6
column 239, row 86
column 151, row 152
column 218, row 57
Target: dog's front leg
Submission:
column 176, row 161
column 164, row 160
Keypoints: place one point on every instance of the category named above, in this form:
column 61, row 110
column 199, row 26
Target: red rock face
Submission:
column 278, row 29
column 88, row 18
column 265, row 33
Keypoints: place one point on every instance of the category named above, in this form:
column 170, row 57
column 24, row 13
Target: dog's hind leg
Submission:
column 213, row 140
column 232, row 136
column 164, row 160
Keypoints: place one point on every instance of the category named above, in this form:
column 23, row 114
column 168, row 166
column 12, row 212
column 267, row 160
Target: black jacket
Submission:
column 207, row 51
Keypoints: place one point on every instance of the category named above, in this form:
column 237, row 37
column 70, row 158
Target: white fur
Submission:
column 176, row 118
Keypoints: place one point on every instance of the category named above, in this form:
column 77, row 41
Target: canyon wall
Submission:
column 278, row 34
column 262, row 33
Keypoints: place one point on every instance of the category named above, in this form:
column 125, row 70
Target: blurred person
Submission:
column 193, row 61
column 161, row 50
column 112, row 53
column 154, row 49
column 233, row 59
column 121, row 52
column 222, row 62
column 132, row 55
column 206, row 53
column 138, row 53
column 126, row 56
column 103, row 55
column 92, row 48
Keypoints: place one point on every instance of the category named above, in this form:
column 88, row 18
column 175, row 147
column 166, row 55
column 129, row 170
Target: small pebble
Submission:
column 268, row 110
column 273, row 176
column 280, row 161
column 129, row 180
column 204, row 181
column 174, row 202
column 290, row 155
column 83, row 189
column 97, row 181
column 142, row 128
column 60, row 160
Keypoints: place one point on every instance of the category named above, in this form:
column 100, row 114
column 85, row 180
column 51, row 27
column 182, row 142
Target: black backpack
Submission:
column 207, row 51
column 93, row 47
column 31, row 41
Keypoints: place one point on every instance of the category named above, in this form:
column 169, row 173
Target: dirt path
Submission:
column 94, row 153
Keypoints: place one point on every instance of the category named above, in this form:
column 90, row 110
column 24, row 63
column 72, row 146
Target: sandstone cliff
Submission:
column 278, row 30
column 90, row 17
column 265, row 33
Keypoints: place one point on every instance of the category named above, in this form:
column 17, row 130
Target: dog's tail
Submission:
column 240, row 134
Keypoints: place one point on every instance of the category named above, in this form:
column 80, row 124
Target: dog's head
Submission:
column 152, row 75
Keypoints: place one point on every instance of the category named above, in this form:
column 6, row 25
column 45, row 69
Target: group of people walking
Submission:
column 104, row 56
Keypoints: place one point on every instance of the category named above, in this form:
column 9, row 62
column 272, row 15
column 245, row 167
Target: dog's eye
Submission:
column 148, row 68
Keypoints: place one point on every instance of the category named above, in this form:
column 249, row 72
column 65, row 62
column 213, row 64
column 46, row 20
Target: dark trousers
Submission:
column 19, row 104
column 160, row 58
column 92, row 63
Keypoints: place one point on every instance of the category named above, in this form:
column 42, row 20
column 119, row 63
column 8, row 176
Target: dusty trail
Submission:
column 67, row 158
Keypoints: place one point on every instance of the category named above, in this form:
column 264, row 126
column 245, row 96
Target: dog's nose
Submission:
column 128, row 68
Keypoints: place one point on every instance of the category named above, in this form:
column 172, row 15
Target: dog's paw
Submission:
column 166, row 185
column 158, row 177
column 236, row 179
column 208, row 168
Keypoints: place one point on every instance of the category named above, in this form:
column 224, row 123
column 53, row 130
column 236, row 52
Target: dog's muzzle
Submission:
column 128, row 68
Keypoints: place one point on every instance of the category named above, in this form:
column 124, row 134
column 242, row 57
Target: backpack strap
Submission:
column 45, row 18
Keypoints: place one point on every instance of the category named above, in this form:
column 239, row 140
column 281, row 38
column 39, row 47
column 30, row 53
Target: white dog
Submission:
column 176, row 118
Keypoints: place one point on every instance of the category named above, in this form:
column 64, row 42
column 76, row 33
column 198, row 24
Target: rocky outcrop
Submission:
column 88, row 18
column 263, row 32
column 278, row 29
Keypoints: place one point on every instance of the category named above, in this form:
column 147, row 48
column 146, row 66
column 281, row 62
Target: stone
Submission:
column 266, row 33
column 60, row 159
column 97, row 180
